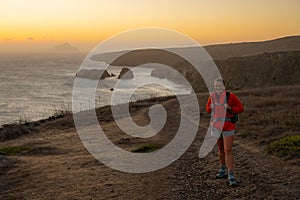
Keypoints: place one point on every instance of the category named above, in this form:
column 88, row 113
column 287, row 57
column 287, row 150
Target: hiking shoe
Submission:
column 221, row 173
column 232, row 182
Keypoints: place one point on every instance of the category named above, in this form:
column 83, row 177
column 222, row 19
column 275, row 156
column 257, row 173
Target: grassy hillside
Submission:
column 225, row 51
column 217, row 52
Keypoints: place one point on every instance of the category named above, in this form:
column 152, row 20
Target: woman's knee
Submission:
column 221, row 150
column 228, row 151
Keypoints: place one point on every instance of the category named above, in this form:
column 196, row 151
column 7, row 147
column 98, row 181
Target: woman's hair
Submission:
column 220, row 80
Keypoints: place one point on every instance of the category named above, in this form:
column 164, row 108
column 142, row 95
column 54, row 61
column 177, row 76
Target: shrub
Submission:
column 12, row 150
column 286, row 146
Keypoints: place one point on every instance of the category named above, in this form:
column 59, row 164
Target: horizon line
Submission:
column 48, row 50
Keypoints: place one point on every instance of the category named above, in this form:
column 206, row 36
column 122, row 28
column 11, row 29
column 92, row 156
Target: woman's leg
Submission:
column 221, row 152
column 228, row 141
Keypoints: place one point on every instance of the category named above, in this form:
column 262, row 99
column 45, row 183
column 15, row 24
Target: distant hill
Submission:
column 64, row 48
column 224, row 51
column 217, row 52
column 243, row 65
column 267, row 69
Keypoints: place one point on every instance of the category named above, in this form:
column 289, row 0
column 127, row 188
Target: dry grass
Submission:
column 59, row 167
column 270, row 114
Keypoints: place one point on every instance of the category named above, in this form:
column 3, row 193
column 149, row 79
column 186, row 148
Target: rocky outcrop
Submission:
column 94, row 74
column 126, row 74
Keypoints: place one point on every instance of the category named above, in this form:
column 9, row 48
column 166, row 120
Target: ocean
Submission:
column 36, row 86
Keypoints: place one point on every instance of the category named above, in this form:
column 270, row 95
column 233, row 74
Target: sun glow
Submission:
column 79, row 21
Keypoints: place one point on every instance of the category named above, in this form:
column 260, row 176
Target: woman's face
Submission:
column 219, row 87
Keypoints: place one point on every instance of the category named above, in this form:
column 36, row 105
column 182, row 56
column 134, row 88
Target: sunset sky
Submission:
column 33, row 24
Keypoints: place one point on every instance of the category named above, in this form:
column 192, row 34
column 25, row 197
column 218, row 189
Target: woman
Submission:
column 224, row 107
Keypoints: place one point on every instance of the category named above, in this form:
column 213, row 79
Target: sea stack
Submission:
column 126, row 74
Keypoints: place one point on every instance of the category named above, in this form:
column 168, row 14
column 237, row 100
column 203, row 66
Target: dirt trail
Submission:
column 59, row 167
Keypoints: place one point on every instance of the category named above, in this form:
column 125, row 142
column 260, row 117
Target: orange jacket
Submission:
column 219, row 110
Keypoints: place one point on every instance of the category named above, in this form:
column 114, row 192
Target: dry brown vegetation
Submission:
column 57, row 166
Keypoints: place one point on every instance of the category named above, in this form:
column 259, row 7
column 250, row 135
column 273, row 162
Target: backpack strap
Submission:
column 221, row 119
column 227, row 97
column 234, row 117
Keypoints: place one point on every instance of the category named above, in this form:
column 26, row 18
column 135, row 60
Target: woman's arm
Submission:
column 208, row 105
column 235, row 104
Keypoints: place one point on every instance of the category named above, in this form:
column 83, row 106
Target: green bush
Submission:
column 146, row 148
column 286, row 146
column 12, row 150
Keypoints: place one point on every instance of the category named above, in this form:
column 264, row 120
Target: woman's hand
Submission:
column 227, row 106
